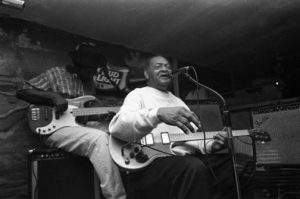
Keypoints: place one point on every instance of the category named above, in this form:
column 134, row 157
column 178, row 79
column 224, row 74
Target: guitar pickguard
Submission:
column 45, row 123
column 42, row 119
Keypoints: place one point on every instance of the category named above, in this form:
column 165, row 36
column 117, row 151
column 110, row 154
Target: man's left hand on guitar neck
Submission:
column 219, row 142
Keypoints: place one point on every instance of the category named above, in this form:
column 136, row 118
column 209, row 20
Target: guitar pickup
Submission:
column 46, row 113
column 147, row 140
column 35, row 113
column 165, row 138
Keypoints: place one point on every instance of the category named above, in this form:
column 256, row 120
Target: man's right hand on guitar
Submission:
column 179, row 116
column 60, row 104
column 45, row 98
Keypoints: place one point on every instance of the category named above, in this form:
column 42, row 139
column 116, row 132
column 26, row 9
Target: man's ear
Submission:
column 146, row 74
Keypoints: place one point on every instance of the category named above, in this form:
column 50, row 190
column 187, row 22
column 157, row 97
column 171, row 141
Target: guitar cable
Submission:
column 202, row 126
column 142, row 146
column 36, row 188
column 242, row 141
column 158, row 150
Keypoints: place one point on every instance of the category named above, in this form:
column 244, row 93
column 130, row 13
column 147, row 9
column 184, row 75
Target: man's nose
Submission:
column 166, row 68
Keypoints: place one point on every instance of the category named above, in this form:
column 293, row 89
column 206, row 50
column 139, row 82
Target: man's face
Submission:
column 159, row 73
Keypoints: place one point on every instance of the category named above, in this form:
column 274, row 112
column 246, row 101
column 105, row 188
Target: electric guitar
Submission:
column 136, row 156
column 42, row 118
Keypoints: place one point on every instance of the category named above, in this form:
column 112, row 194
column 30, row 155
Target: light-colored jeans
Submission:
column 91, row 143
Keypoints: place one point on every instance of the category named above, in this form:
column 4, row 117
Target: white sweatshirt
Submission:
column 138, row 117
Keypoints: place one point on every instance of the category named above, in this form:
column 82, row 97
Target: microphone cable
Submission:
column 202, row 127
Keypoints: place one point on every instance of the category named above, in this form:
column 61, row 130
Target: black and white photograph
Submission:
column 149, row 99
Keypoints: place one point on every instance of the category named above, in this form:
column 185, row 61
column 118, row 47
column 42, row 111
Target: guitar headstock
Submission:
column 259, row 135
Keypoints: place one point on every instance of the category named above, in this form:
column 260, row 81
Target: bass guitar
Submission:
column 136, row 156
column 42, row 118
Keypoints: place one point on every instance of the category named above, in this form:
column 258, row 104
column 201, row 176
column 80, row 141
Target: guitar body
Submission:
column 134, row 157
column 42, row 118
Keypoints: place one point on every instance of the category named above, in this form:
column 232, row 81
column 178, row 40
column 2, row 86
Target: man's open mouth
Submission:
column 166, row 75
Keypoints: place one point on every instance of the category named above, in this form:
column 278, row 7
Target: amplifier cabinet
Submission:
column 209, row 114
column 282, row 122
column 53, row 173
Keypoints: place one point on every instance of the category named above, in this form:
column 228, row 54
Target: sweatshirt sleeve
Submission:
column 199, row 145
column 133, row 121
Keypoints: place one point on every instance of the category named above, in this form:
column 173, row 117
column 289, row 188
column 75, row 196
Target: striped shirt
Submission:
column 59, row 80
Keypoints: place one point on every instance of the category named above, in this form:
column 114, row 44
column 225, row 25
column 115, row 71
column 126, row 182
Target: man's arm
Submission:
column 38, row 91
column 46, row 98
column 133, row 121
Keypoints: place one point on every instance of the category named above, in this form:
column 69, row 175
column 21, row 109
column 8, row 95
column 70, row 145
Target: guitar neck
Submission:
column 200, row 135
column 93, row 111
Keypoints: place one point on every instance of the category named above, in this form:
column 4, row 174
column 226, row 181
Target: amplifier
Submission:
column 53, row 173
column 209, row 114
column 282, row 122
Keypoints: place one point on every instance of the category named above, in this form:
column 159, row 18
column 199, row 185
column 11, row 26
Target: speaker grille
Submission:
column 60, row 175
column 282, row 122
column 210, row 116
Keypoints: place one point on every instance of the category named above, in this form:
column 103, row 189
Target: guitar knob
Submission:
column 141, row 157
column 131, row 154
column 136, row 149
column 127, row 161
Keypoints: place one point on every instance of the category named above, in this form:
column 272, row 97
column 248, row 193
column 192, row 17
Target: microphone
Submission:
column 181, row 70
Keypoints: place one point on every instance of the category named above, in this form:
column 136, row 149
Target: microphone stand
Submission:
column 227, row 123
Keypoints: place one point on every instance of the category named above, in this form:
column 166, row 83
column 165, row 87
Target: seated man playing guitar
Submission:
column 154, row 110
column 50, row 89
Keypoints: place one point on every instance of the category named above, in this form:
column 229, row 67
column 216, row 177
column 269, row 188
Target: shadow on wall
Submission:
column 15, row 140
column 21, row 57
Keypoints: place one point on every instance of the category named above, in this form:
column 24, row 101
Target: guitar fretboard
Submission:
column 200, row 135
column 93, row 111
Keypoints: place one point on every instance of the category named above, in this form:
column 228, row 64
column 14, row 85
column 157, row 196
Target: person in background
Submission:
column 190, row 173
column 57, row 84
